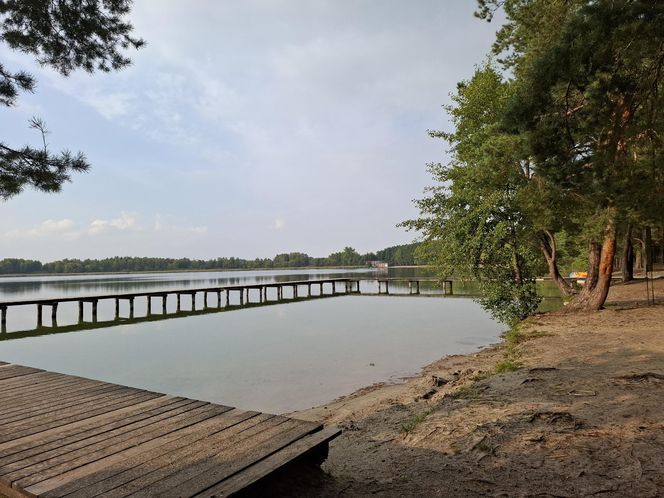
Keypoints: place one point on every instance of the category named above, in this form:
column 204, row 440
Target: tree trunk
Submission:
column 549, row 249
column 600, row 270
column 628, row 256
column 647, row 249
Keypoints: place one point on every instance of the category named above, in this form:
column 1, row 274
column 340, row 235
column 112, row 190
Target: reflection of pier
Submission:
column 249, row 295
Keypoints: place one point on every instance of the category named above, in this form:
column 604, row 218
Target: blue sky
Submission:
column 247, row 128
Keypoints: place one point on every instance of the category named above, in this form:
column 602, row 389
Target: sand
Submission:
column 581, row 416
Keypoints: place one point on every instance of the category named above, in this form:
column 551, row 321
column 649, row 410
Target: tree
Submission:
column 473, row 221
column 65, row 35
column 589, row 106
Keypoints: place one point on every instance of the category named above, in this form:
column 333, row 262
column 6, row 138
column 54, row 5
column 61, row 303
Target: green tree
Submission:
column 472, row 220
column 589, row 106
column 65, row 35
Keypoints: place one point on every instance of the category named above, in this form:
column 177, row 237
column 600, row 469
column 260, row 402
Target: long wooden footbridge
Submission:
column 69, row 436
column 257, row 293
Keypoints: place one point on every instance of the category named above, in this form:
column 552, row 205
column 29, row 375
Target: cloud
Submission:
column 279, row 224
column 174, row 228
column 64, row 228
column 126, row 221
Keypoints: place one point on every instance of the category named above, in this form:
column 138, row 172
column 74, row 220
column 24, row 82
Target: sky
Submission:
column 246, row 128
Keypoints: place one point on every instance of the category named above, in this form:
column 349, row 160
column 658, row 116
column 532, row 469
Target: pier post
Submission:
column 149, row 305
column 39, row 315
column 80, row 311
column 54, row 315
column 94, row 310
column 241, row 297
column 178, row 302
column 418, row 287
column 117, row 308
column 387, row 287
column 131, row 307
column 295, row 296
column 193, row 301
column 226, row 298
column 3, row 319
column 163, row 303
column 218, row 299
column 308, row 290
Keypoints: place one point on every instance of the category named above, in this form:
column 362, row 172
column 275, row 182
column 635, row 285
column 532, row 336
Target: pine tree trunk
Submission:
column 600, row 270
column 628, row 256
column 548, row 247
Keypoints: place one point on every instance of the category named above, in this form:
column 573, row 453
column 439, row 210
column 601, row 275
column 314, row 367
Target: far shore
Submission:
column 567, row 405
column 217, row 270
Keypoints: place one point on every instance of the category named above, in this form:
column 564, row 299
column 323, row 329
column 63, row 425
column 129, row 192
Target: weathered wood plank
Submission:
column 10, row 371
column 55, row 415
column 147, row 472
column 270, row 464
column 162, row 407
column 62, row 435
column 105, row 408
column 76, row 427
column 232, row 458
column 32, row 380
column 40, row 472
column 83, row 476
column 98, row 441
column 58, row 401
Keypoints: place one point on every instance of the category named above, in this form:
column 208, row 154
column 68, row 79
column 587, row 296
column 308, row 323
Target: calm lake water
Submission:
column 274, row 358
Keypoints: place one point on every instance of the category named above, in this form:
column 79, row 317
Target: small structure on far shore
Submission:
column 381, row 265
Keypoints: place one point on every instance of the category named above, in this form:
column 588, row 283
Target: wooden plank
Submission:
column 41, row 462
column 62, row 435
column 231, row 459
column 71, row 429
column 147, row 474
column 21, row 452
column 40, row 472
column 6, row 386
column 58, row 401
column 18, row 401
column 103, row 469
column 37, row 419
column 128, row 401
column 270, row 464
column 10, row 371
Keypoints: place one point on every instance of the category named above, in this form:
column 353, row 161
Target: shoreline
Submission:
column 574, row 412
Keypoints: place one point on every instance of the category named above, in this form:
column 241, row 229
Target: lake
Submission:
column 275, row 358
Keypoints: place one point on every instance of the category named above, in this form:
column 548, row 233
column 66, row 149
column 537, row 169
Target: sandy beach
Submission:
column 576, row 412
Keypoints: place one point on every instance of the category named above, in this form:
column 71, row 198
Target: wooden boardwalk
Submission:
column 62, row 435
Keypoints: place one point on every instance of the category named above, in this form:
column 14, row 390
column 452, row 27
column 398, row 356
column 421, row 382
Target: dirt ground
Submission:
column 581, row 416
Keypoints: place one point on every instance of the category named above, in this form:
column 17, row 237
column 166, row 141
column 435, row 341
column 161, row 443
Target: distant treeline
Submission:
column 396, row 255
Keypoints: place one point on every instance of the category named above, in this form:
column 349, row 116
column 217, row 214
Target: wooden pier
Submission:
column 68, row 436
column 248, row 294
column 245, row 293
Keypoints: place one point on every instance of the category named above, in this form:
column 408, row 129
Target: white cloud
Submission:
column 175, row 228
column 126, row 221
column 64, row 228
column 279, row 224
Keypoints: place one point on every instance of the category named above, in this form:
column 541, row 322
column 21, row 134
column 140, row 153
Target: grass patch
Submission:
column 469, row 391
column 412, row 423
column 507, row 365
